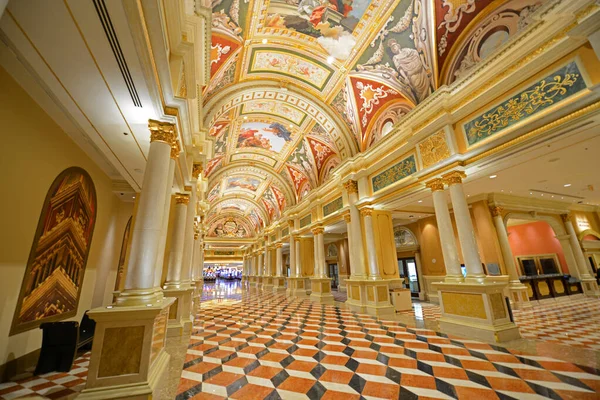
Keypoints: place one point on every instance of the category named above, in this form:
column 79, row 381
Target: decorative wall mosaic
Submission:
column 305, row 221
column 399, row 171
column 333, row 206
column 545, row 93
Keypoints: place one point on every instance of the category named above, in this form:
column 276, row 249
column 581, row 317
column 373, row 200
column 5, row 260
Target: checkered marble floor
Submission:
column 270, row 347
column 53, row 385
column 574, row 323
column 424, row 311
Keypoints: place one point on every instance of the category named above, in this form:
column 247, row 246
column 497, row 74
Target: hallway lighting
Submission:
column 420, row 201
column 264, row 41
column 567, row 185
column 330, row 60
column 493, row 176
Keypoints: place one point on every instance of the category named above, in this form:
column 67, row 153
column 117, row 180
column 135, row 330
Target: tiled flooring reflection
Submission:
column 54, row 385
column 273, row 347
column 574, row 323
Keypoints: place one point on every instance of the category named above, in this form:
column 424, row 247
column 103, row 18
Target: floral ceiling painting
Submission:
column 299, row 86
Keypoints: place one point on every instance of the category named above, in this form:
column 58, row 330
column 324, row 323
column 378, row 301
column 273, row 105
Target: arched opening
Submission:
column 54, row 274
column 407, row 249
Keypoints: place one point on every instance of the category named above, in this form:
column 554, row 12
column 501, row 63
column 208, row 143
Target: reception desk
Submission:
column 541, row 287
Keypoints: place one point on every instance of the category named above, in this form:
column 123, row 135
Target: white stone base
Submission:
column 321, row 291
column 476, row 310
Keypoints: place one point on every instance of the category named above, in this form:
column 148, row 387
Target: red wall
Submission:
column 535, row 238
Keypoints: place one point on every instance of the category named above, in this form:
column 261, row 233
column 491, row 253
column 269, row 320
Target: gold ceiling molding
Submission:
column 434, row 149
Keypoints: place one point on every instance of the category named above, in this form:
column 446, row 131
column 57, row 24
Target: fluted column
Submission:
column 139, row 285
column 160, row 258
column 464, row 225
column 371, row 245
column 357, row 255
column 582, row 265
column 446, row 232
column 174, row 272
column 279, row 259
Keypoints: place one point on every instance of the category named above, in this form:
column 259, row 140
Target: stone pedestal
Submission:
column 128, row 359
column 476, row 310
column 519, row 298
column 307, row 284
column 279, row 284
column 296, row 286
column 180, row 314
column 342, row 283
column 321, row 290
column 197, row 296
column 370, row 296
column 590, row 287
column 258, row 281
column 267, row 283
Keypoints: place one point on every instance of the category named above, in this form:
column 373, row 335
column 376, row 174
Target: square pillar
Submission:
column 476, row 311
column 128, row 359
column 296, row 286
column 321, row 290
column 180, row 314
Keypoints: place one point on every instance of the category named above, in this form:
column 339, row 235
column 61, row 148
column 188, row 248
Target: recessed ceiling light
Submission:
column 330, row 60
column 245, row 117
column 291, row 126
column 542, row 194
column 264, row 41
column 530, row 192
column 420, row 201
column 567, row 185
column 493, row 176
column 502, row 190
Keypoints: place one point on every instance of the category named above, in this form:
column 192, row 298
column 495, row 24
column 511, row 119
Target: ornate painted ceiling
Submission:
column 298, row 86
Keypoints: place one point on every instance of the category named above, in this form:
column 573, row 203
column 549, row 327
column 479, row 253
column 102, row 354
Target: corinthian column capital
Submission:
column 161, row 131
column 351, row 186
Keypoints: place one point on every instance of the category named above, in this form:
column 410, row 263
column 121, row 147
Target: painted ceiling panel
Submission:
column 299, row 86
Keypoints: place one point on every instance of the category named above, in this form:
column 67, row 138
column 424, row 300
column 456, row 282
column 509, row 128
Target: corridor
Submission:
column 269, row 346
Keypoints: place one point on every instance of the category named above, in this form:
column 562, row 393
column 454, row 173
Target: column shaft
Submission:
column 582, row 265
column 279, row 261
column 292, row 256
column 509, row 260
column 174, row 272
column 466, row 233
column 357, row 255
column 298, row 258
column 186, row 269
column 371, row 246
column 160, row 258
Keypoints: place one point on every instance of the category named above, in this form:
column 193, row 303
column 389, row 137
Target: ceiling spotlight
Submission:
column 530, row 192
column 567, row 185
column 291, row 126
column 330, row 60
column 245, row 117
column 264, row 41
column 420, row 201
column 493, row 176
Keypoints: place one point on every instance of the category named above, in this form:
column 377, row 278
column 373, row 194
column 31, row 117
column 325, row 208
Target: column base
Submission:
column 181, row 319
column 267, row 283
column 590, row 287
column 307, row 284
column 258, row 281
column 370, row 296
column 342, row 283
column 296, row 287
column 128, row 358
column 279, row 284
column 518, row 295
column 476, row 311
column 321, row 290
column 139, row 297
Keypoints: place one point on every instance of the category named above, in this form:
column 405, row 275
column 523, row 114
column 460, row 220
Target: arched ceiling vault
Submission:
column 299, row 86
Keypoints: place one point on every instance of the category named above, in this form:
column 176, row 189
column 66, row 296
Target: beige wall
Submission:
column 34, row 151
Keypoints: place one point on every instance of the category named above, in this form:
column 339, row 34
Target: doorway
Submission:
column 408, row 269
column 332, row 270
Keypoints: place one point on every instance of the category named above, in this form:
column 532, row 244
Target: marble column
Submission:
column 141, row 313
column 589, row 284
column 320, row 283
column 344, row 265
column 517, row 291
column 186, row 269
column 293, row 272
column 267, row 283
column 357, row 255
column 464, row 225
column 279, row 280
column 139, row 288
column 446, row 232
column 160, row 258
column 174, row 272
column 374, row 273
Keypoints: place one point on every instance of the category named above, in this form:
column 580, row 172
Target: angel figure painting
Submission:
column 267, row 136
column 330, row 21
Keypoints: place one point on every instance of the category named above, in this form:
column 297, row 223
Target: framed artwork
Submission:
column 54, row 273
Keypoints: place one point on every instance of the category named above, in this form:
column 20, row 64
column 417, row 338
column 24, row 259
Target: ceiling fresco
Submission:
column 298, row 86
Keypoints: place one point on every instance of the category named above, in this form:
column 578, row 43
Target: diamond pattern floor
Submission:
column 270, row 347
